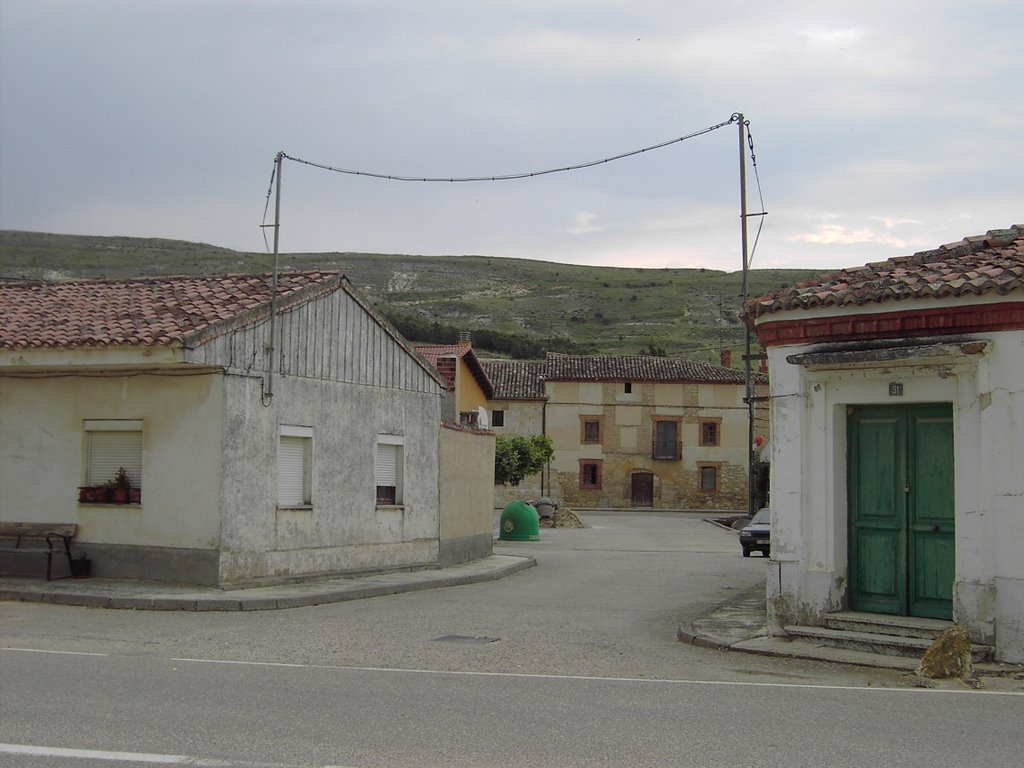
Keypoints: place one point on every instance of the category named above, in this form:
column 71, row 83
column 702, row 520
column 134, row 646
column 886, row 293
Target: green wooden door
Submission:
column 900, row 490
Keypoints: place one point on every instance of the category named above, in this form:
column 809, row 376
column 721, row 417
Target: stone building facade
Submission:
column 633, row 431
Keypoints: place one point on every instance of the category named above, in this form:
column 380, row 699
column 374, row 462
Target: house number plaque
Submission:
column 895, row 389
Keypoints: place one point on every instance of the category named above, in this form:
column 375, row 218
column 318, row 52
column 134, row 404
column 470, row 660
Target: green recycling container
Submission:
column 519, row 522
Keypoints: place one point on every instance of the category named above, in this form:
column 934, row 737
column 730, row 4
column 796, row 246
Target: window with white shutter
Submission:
column 388, row 470
column 294, row 467
column 112, row 444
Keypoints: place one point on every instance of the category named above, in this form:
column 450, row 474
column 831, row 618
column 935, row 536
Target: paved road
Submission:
column 573, row 662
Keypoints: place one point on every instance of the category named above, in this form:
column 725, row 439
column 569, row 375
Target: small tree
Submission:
column 518, row 457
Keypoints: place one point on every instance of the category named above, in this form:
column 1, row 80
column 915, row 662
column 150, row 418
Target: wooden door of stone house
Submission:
column 642, row 494
column 900, row 509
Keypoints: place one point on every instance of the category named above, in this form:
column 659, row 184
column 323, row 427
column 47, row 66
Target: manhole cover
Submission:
column 466, row 639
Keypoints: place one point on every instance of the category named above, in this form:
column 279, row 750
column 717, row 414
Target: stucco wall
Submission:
column 42, row 460
column 466, row 516
column 467, row 390
column 808, row 572
column 344, row 529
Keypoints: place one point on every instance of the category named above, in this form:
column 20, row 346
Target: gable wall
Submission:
column 331, row 338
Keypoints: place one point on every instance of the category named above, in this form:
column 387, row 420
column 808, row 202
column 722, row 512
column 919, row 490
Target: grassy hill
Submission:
column 511, row 306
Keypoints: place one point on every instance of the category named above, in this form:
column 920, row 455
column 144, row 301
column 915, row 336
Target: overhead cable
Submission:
column 510, row 176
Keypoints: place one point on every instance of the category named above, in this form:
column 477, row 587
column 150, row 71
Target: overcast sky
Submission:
column 879, row 128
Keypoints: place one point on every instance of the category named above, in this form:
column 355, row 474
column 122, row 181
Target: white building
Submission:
column 265, row 440
column 897, row 421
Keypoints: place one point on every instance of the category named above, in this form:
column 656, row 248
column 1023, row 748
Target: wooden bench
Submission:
column 40, row 538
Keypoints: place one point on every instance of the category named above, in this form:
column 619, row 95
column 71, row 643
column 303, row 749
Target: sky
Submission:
column 879, row 128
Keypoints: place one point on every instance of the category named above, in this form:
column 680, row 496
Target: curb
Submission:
column 104, row 593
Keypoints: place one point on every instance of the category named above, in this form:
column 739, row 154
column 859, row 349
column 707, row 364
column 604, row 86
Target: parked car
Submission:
column 757, row 535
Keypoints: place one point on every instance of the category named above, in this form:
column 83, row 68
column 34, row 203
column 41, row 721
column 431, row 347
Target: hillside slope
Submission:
column 511, row 306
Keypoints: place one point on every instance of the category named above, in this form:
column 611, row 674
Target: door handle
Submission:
column 935, row 529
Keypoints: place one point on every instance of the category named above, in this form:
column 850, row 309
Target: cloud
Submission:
column 836, row 234
column 585, row 223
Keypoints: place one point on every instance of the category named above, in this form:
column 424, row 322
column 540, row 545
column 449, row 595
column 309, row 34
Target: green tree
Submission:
column 517, row 457
column 653, row 349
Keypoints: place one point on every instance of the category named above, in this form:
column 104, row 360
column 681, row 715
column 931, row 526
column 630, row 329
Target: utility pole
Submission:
column 748, row 388
column 268, row 392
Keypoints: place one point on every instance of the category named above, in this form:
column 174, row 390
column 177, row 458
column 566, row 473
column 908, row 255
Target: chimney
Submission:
column 465, row 340
column 726, row 356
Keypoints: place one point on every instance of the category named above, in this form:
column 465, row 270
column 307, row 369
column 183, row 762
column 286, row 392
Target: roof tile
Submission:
column 524, row 380
column 977, row 265
column 150, row 311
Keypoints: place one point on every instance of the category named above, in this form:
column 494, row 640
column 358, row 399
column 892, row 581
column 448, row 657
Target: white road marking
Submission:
column 138, row 757
column 586, row 678
column 60, row 653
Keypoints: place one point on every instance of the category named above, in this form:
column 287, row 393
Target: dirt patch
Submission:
column 563, row 518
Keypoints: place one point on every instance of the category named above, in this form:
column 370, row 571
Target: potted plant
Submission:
column 120, row 487
column 81, row 566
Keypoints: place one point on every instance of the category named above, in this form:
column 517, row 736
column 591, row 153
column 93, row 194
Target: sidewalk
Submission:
column 155, row 596
column 739, row 624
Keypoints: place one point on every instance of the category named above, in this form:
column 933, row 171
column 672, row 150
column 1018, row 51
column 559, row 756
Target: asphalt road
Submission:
column 571, row 663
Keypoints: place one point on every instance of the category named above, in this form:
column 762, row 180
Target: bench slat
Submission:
column 38, row 530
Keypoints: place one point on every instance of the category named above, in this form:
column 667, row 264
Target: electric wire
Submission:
column 761, row 215
column 509, row 176
column 266, row 207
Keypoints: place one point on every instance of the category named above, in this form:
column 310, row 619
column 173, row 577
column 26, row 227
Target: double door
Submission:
column 901, row 509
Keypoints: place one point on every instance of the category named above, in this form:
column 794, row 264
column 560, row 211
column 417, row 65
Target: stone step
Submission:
column 883, row 624
column 877, row 643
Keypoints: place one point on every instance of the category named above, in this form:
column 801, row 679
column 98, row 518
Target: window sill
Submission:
column 295, row 508
column 391, row 507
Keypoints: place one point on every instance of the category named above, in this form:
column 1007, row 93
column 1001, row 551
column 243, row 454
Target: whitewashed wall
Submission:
column 808, row 571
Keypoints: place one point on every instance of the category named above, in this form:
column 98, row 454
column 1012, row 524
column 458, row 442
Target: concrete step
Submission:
column 877, row 623
column 767, row 645
column 875, row 642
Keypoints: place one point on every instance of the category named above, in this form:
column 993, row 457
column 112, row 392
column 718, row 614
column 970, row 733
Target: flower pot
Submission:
column 81, row 568
column 134, row 495
column 119, row 495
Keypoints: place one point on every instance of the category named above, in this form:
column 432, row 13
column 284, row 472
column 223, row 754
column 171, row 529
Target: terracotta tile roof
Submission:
column 524, row 380
column 166, row 311
column 516, row 379
column 636, row 368
column 434, row 352
column 985, row 264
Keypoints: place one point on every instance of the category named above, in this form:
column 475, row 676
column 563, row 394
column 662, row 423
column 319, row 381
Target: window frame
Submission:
column 717, row 469
column 677, row 447
column 497, row 417
column 585, row 485
column 594, row 421
column 123, row 451
column 706, row 422
column 292, row 437
column 396, row 498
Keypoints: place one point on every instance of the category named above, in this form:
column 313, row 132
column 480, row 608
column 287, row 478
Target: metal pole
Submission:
column 268, row 393
column 749, row 396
